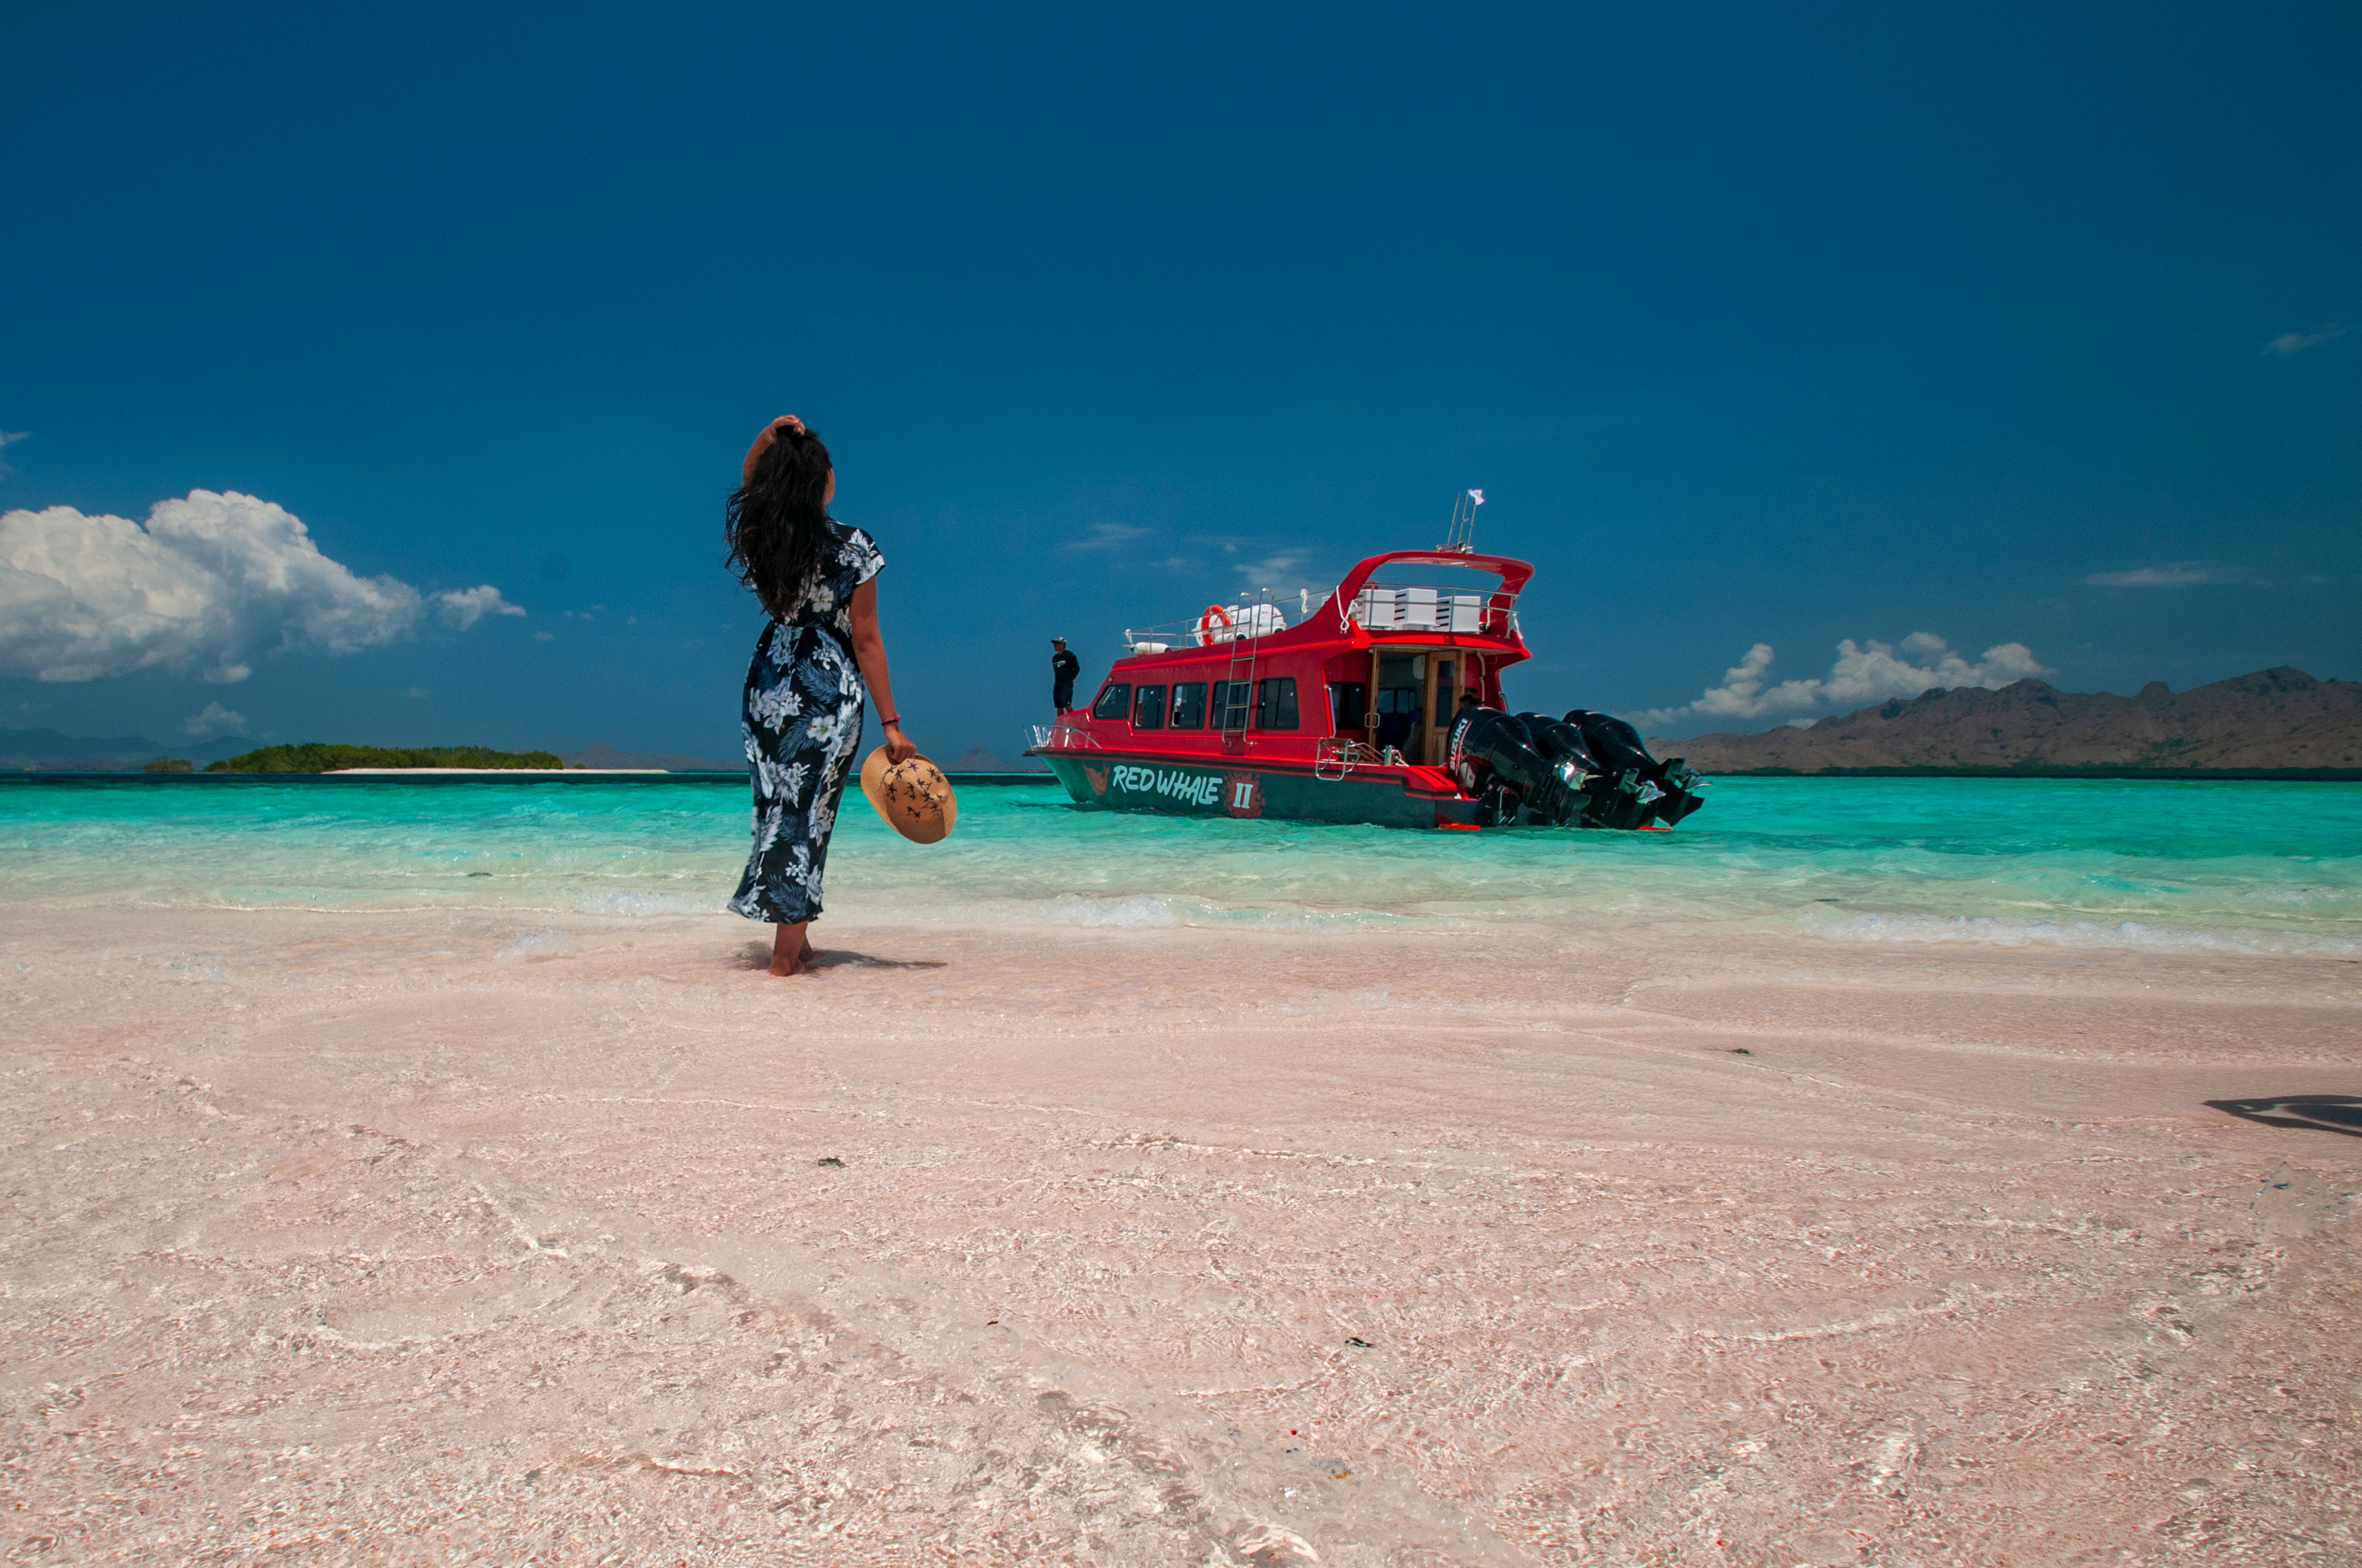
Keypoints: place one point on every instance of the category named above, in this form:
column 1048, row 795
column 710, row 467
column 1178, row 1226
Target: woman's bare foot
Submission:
column 791, row 951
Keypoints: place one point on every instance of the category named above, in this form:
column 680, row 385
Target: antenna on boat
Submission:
column 1462, row 535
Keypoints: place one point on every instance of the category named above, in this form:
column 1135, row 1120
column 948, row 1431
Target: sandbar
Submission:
column 439, row 1237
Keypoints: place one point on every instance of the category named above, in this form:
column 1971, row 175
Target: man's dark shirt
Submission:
column 1064, row 667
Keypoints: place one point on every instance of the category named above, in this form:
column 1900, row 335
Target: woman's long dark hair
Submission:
column 776, row 522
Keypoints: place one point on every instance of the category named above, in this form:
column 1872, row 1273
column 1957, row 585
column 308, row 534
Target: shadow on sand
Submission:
column 757, row 955
column 2328, row 1112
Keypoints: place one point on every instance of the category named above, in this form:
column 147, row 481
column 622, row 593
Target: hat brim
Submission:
column 915, row 799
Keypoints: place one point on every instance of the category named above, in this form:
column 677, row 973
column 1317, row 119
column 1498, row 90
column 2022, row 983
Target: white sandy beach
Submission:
column 377, row 1237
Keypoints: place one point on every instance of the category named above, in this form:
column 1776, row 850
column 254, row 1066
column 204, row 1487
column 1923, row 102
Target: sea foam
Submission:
column 547, row 942
column 1150, row 911
column 2131, row 934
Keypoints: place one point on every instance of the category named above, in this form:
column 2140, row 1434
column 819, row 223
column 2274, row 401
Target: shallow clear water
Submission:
column 2231, row 865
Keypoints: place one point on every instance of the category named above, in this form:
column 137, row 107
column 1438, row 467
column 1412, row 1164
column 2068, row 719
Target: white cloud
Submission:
column 212, row 580
column 1268, row 571
column 215, row 720
column 1743, row 693
column 463, row 607
column 1864, row 673
column 2176, row 574
column 2289, row 343
column 1104, row 537
column 7, row 439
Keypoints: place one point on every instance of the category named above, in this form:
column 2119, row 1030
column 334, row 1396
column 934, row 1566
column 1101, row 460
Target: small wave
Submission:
column 2006, row 931
column 628, row 903
column 544, row 942
column 1142, row 911
column 1155, row 911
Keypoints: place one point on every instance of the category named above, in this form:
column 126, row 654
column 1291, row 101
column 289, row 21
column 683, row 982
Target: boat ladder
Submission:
column 1244, row 643
column 1334, row 759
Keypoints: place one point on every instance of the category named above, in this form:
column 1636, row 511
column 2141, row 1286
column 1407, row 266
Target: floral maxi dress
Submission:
column 803, row 712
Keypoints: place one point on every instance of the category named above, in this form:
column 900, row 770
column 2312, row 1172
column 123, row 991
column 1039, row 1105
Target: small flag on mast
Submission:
column 1477, row 496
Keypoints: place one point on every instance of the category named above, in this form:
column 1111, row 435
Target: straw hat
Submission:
column 915, row 799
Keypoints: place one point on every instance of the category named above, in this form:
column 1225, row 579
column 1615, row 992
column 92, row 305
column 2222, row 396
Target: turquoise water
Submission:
column 2233, row 865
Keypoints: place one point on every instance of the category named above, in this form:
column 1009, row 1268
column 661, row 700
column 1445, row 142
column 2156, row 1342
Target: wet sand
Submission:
column 408, row 1239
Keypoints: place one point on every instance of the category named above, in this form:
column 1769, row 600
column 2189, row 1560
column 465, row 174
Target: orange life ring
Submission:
column 1205, row 622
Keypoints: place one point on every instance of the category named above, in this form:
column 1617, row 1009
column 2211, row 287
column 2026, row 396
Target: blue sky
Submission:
column 2030, row 329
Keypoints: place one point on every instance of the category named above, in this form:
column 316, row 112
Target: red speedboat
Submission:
column 1378, row 702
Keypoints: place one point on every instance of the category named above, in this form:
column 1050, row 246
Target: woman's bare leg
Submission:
column 790, row 952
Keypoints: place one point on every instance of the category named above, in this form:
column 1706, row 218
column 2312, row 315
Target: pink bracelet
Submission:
column 883, row 723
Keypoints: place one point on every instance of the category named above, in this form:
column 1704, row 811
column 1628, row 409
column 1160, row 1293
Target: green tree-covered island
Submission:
column 315, row 757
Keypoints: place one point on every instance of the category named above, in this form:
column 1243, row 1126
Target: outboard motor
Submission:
column 1636, row 787
column 1612, row 795
column 1498, row 761
column 1681, row 784
column 1560, row 741
column 1586, row 767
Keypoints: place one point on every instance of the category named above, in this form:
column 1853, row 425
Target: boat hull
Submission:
column 1247, row 786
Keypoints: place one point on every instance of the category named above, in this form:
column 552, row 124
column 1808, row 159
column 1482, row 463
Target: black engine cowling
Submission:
column 1664, row 791
column 1588, row 768
column 1497, row 759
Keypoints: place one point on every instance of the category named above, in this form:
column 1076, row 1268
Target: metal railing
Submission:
column 1335, row 757
column 1065, row 732
column 1417, row 607
column 1249, row 619
column 1379, row 607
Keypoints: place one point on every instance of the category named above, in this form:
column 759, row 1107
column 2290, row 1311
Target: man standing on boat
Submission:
column 1064, row 667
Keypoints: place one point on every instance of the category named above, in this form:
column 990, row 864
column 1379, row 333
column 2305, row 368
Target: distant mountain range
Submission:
column 979, row 760
column 606, row 755
column 2277, row 718
column 47, row 750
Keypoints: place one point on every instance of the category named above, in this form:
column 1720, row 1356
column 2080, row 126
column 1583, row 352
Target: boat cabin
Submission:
column 1370, row 673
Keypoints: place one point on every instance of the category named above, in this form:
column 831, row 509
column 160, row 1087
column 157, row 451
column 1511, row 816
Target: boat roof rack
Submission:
column 1513, row 573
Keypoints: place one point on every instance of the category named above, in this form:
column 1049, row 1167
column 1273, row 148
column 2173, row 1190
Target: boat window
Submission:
column 1447, row 693
column 1276, row 702
column 1189, row 705
column 1114, row 701
column 1148, row 708
column 1399, row 699
column 1230, row 704
column 1348, row 704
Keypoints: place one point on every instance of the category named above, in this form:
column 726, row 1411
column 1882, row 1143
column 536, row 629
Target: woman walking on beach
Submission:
column 818, row 658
